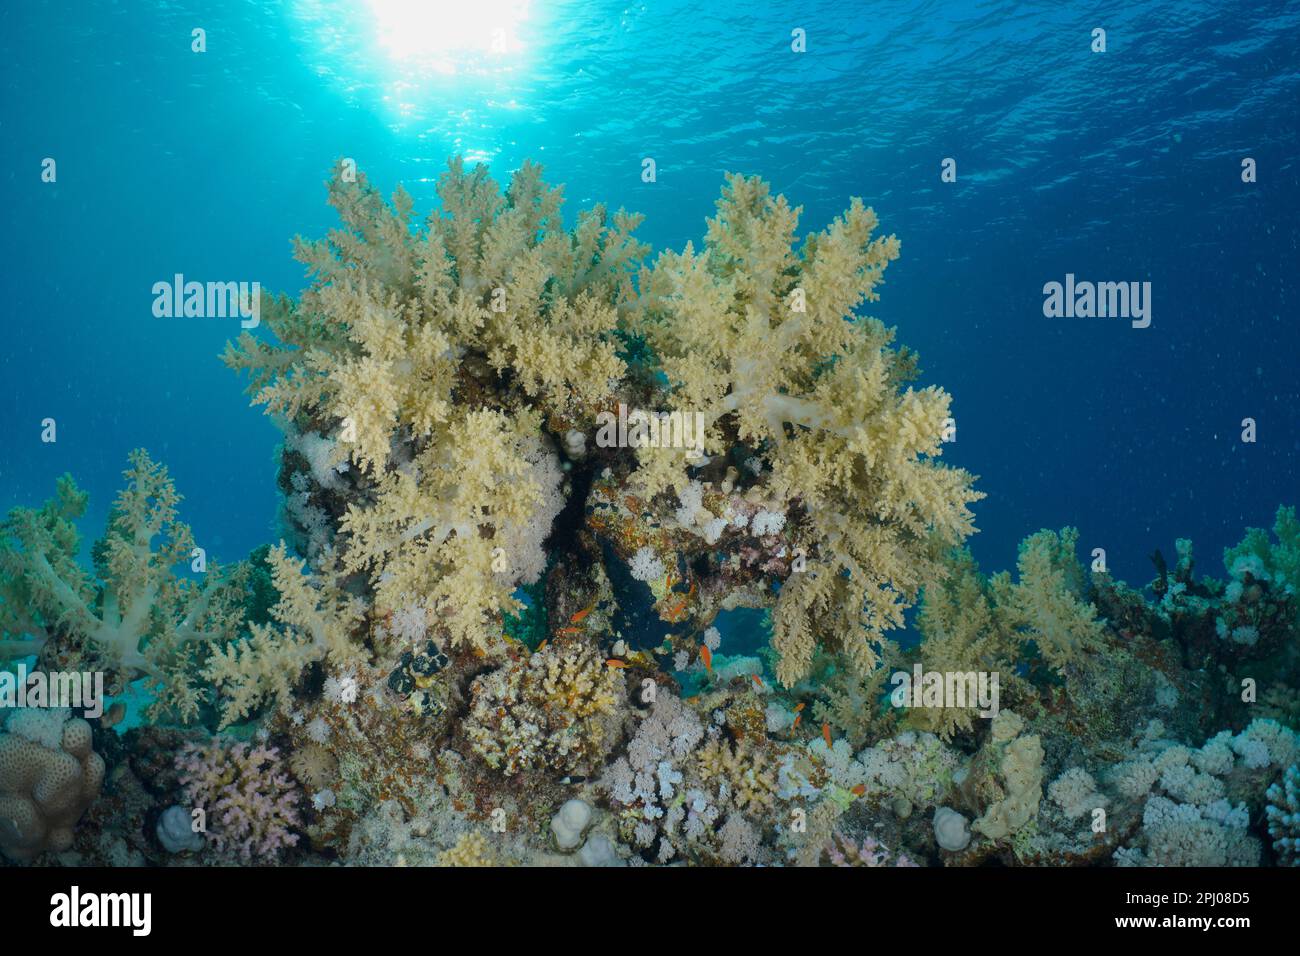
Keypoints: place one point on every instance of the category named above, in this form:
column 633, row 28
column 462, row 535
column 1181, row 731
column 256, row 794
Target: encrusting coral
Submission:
column 590, row 557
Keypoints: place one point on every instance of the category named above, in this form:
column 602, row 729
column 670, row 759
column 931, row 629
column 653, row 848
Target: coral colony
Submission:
column 593, row 556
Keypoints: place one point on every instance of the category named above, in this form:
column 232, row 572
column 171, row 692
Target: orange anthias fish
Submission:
column 577, row 618
column 758, row 681
column 797, row 718
column 826, row 732
column 615, row 662
column 706, row 655
column 674, row 613
column 859, row 790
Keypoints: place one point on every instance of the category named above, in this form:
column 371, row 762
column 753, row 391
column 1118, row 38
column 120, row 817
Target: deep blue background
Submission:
column 1116, row 166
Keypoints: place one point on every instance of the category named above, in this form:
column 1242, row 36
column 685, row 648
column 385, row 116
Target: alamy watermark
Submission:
column 77, row 690
column 1103, row 300
column 73, row 909
column 956, row 689
column 642, row 429
column 208, row 300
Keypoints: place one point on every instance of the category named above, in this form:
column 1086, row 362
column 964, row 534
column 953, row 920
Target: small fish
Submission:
column 114, row 715
column 569, row 630
column 706, row 655
column 758, row 681
column 800, row 706
column 540, row 646
column 826, row 733
column 859, row 790
column 615, row 662
column 797, row 718
column 575, row 778
column 577, row 618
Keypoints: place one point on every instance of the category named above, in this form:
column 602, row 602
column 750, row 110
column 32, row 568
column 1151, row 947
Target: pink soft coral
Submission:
column 251, row 802
column 846, row 852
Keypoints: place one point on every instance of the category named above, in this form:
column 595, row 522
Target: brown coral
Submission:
column 45, row 789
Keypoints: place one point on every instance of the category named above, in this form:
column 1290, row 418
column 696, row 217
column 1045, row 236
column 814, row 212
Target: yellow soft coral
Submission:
column 761, row 338
column 472, row 849
column 444, row 360
column 315, row 622
column 430, row 356
column 135, row 616
column 45, row 536
column 963, row 633
column 397, row 311
column 451, row 528
column 1047, row 603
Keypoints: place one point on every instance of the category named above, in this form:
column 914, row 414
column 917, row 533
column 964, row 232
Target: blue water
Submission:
column 1122, row 166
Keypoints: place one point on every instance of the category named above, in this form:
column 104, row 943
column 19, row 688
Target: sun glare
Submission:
column 444, row 34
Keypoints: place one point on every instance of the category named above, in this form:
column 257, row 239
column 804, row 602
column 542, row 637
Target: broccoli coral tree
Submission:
column 972, row 623
column 134, row 616
column 760, row 335
column 438, row 381
column 429, row 356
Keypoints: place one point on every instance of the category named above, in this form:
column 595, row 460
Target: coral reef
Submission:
column 590, row 557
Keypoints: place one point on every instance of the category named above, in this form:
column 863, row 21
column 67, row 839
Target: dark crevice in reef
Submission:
column 634, row 619
column 569, row 522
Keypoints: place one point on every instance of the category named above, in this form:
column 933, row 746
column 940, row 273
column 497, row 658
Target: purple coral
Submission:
column 846, row 852
column 250, row 801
